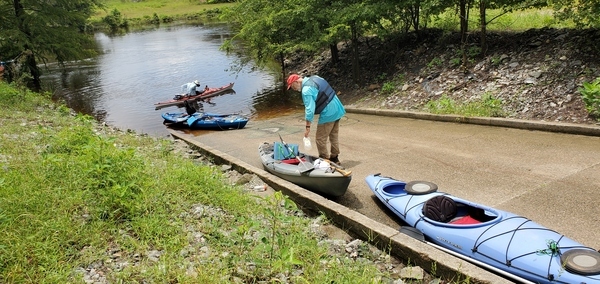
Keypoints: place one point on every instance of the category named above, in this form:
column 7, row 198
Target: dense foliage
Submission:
column 278, row 29
column 32, row 32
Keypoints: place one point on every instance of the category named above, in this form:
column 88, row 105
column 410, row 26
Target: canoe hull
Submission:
column 206, row 121
column 211, row 92
column 327, row 182
column 500, row 239
column 219, row 124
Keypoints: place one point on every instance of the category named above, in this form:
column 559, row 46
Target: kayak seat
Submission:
column 440, row 209
column 471, row 216
column 465, row 220
column 292, row 161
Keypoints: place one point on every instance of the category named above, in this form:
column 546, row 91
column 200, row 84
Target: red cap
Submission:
column 291, row 79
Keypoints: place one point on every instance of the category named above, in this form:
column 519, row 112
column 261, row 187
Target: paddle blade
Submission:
column 305, row 166
column 342, row 171
column 339, row 168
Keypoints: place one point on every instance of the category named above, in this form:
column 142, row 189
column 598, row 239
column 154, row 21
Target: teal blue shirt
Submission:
column 332, row 112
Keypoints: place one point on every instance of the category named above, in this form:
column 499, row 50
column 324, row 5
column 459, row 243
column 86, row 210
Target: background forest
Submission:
column 289, row 32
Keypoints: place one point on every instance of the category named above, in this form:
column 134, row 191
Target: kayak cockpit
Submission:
column 445, row 211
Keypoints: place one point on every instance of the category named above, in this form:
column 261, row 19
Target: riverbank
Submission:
column 85, row 201
column 118, row 15
column 534, row 75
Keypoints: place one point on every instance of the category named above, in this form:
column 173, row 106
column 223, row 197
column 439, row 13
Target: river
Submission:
column 135, row 70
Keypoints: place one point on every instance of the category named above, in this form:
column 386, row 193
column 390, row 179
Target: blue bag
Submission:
column 280, row 152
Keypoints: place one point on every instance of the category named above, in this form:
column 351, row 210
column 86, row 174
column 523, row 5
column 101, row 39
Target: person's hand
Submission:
column 306, row 132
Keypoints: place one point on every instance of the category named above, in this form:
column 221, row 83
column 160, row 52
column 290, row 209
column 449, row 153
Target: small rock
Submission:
column 154, row 255
column 535, row 74
column 412, row 272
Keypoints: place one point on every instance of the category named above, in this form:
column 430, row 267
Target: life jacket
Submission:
column 326, row 92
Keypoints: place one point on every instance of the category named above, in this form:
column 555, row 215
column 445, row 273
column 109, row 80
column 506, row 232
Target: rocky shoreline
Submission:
column 536, row 74
column 339, row 243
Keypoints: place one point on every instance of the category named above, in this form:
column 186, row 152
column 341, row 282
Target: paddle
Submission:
column 339, row 168
column 303, row 166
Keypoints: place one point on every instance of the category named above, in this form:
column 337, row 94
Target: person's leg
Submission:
column 334, row 140
column 322, row 135
column 189, row 108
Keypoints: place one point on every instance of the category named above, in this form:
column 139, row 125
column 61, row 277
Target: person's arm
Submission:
column 307, row 131
column 309, row 95
column 184, row 89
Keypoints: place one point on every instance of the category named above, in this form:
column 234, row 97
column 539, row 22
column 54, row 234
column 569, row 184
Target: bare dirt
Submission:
column 536, row 74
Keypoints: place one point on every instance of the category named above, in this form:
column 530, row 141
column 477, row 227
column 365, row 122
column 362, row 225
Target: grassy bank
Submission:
column 139, row 9
column 81, row 199
column 520, row 20
column 139, row 13
column 515, row 21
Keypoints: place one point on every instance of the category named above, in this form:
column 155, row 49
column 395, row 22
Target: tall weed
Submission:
column 590, row 93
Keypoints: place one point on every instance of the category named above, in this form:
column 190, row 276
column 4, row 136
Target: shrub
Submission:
column 115, row 20
column 388, row 88
column 590, row 92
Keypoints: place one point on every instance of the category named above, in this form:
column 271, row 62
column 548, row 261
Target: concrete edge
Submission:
column 569, row 128
column 380, row 235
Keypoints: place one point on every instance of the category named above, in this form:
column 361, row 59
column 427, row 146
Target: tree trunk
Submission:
column 415, row 12
column 335, row 55
column 355, row 55
column 283, row 71
column 30, row 62
column 483, row 35
column 464, row 28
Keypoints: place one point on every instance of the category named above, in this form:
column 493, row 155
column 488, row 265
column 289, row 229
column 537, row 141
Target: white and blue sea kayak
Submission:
column 485, row 235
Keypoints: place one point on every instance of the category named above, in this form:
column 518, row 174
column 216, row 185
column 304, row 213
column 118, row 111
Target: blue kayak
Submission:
column 208, row 121
column 485, row 235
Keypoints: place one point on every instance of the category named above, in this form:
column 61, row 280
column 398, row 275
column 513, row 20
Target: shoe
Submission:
column 335, row 160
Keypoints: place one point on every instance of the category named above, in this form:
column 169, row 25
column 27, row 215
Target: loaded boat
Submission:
column 487, row 236
column 180, row 99
column 323, row 177
column 206, row 121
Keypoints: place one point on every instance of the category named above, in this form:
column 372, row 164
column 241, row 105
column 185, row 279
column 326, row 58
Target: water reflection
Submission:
column 136, row 70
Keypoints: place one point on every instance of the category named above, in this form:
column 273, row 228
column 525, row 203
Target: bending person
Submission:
column 320, row 98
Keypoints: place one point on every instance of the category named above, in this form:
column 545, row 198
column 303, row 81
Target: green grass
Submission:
column 487, row 106
column 76, row 194
column 170, row 8
column 515, row 21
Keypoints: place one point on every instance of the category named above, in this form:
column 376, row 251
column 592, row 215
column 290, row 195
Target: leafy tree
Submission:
column 275, row 29
column 583, row 13
column 506, row 6
column 36, row 31
column 352, row 18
